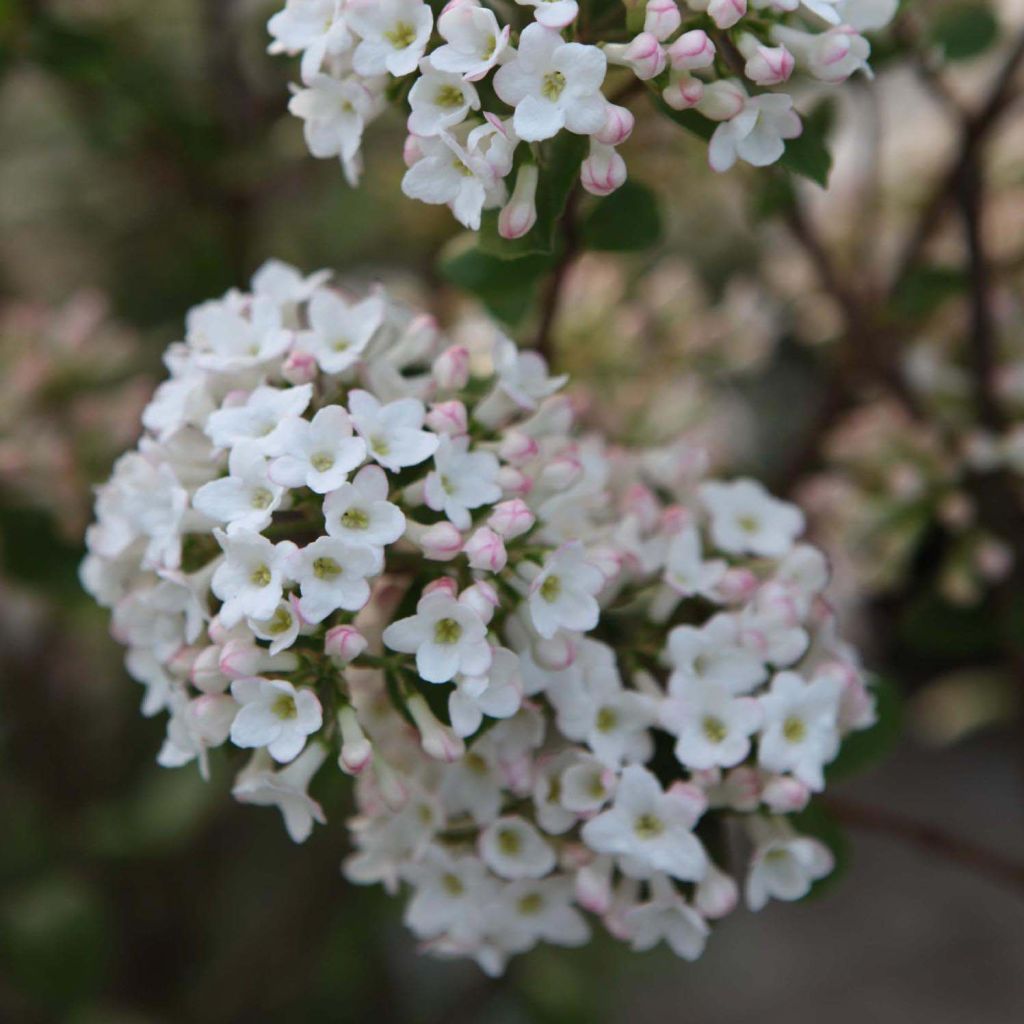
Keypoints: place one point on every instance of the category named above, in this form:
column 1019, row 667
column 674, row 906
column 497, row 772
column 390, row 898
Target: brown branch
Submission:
column 989, row 864
column 549, row 306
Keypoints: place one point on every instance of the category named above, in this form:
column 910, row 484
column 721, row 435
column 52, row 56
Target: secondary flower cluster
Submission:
column 562, row 672
column 477, row 87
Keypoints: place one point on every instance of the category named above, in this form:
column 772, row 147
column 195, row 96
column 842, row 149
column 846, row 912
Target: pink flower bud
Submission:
column 645, row 56
column 211, row 716
column 662, row 18
column 240, row 658
column 618, row 125
column 725, row 13
column 440, row 542
column 603, row 171
column 691, row 51
column 594, row 885
column 561, row 473
column 344, row 643
column 692, row 797
column 683, row 92
column 511, row 518
column 412, row 151
column 717, row 893
column 737, row 585
column 486, row 550
column 769, row 65
column 555, row 654
column 641, row 503
column 299, row 368
column 219, row 633
column 356, row 749
column 514, row 481
column 206, row 674
column 482, row 598
column 517, row 447
column 723, row 100
column 451, row 368
column 783, row 794
column 448, row 418
column 437, row 740
column 443, row 585
column 675, row 518
column 520, row 213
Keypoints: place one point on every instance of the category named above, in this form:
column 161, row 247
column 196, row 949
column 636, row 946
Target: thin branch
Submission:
column 986, row 863
column 568, row 231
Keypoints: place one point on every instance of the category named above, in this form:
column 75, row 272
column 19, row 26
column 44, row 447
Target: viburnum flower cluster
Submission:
column 485, row 85
column 564, row 674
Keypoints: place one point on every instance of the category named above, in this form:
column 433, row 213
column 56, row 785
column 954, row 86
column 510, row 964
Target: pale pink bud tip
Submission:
column 520, row 213
column 345, row 643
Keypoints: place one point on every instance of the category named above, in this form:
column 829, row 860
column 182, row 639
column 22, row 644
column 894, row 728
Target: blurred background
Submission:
column 148, row 163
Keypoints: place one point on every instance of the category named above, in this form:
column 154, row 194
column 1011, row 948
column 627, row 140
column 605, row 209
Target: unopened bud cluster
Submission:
column 482, row 93
column 560, row 672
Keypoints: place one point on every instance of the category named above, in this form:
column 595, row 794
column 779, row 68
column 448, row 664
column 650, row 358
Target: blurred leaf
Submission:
column 924, row 289
column 808, row 154
column 957, row 704
column 559, row 172
column 629, row 220
column 816, row 821
column 862, row 749
column 33, row 552
column 965, row 30
column 937, row 629
column 506, row 287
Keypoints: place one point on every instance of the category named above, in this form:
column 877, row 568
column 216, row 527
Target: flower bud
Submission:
column 603, row 171
column 451, row 368
column 662, row 18
column 516, row 447
column 683, row 92
column 211, row 716
column 356, row 749
column 486, row 550
column 206, row 674
column 594, row 885
column 448, row 418
column 561, row 473
column 768, row 65
column 555, row 654
column 437, row 740
column 242, row 658
column 691, row 51
column 482, row 598
column 440, row 542
column 725, row 13
column 393, row 790
column 723, row 100
column 644, row 55
column 511, row 519
column 716, row 894
column 520, row 213
column 738, row 584
column 443, row 585
column 618, row 125
column 782, row 794
column 299, row 368
column 344, row 644
column 514, row 481
column 412, row 150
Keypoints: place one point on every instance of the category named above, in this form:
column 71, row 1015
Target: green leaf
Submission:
column 965, row 30
column 626, row 221
column 506, row 287
column 862, row 749
column 559, row 172
column 924, row 289
column 808, row 154
column 933, row 628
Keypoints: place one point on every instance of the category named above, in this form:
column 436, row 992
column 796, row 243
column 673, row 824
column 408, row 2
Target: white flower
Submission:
column 260, row 418
column 318, row 453
column 335, row 113
column 258, row 783
column 246, row 498
column 553, row 13
column 784, row 865
column 454, row 171
column 439, row 100
column 462, row 480
column 227, row 338
column 553, row 85
column 756, row 133
column 713, row 653
column 532, row 910
column 281, row 629
column 446, row 635
column 866, row 15
column 315, row 28
column 745, row 518
column 450, row 892
column 274, row 714
column 686, row 571
column 393, row 33
column 392, row 432
column 331, row 574
column 497, row 693
column 513, row 848
column 360, row 514
column 563, row 595
column 250, row 580
column 799, row 733
column 651, row 829
column 474, row 42
column 667, row 917
column 712, row 726
column 339, row 331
